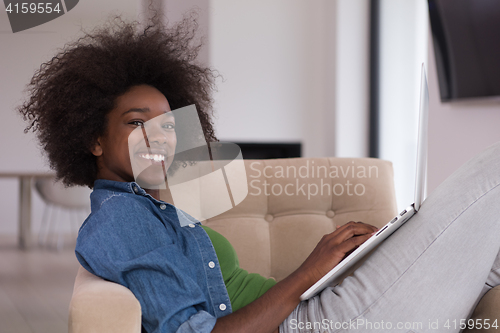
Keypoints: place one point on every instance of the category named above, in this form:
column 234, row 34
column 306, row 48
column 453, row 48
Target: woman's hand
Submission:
column 265, row 314
column 332, row 248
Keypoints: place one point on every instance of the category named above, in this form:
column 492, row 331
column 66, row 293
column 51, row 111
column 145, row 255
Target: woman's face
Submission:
column 139, row 142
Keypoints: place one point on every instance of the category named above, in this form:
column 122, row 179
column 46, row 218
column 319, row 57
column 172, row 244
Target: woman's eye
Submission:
column 169, row 126
column 136, row 122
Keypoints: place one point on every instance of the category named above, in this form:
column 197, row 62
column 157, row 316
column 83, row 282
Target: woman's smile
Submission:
column 153, row 157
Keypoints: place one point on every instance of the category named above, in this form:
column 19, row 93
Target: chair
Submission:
column 272, row 234
column 58, row 199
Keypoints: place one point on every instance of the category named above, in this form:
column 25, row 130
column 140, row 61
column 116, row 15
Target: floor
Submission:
column 35, row 288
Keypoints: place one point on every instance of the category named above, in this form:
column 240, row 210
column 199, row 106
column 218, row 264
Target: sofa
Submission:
column 291, row 204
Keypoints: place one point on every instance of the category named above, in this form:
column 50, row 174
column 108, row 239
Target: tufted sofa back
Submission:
column 292, row 203
column 288, row 208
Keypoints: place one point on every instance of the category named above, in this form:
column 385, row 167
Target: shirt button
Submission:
column 191, row 225
column 135, row 189
column 211, row 264
column 163, row 206
column 222, row 307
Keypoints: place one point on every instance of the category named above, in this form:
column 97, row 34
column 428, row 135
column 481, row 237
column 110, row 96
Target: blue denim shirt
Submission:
column 137, row 241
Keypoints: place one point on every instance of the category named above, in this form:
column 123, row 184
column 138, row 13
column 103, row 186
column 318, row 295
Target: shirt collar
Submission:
column 116, row 186
column 112, row 185
column 134, row 188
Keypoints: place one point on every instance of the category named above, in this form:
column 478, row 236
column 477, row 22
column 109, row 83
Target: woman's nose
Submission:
column 157, row 134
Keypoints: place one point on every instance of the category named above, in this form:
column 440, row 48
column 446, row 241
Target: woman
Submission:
column 85, row 105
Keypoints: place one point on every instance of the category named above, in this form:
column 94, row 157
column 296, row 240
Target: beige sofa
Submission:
column 290, row 205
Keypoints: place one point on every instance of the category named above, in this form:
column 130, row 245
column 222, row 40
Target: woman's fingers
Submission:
column 351, row 223
column 352, row 243
column 333, row 247
column 349, row 230
column 348, row 237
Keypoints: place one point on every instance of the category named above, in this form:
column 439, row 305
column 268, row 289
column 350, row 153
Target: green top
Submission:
column 242, row 287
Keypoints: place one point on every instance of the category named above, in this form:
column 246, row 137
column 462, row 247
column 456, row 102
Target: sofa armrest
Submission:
column 102, row 306
column 488, row 308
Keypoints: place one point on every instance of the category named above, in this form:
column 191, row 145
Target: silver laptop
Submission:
column 343, row 268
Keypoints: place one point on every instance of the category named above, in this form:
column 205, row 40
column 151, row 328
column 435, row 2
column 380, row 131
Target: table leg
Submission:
column 24, row 211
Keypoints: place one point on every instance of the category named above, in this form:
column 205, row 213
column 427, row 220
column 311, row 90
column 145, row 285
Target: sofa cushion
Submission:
column 292, row 203
column 487, row 311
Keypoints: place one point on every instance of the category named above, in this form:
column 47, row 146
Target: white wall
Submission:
column 272, row 55
column 458, row 130
column 403, row 48
column 352, row 78
column 293, row 71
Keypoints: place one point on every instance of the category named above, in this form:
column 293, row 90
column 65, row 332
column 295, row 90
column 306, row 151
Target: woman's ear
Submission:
column 96, row 150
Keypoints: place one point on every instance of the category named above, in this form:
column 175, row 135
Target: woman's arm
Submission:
column 267, row 312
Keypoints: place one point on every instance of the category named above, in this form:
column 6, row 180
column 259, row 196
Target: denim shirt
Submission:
column 137, row 241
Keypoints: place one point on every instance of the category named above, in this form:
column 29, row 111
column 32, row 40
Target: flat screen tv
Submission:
column 466, row 39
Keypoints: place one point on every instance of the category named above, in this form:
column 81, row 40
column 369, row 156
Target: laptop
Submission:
column 337, row 274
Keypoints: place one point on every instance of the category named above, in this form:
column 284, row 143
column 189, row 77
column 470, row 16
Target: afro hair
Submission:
column 71, row 95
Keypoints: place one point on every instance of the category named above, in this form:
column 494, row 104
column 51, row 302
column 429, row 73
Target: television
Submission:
column 466, row 39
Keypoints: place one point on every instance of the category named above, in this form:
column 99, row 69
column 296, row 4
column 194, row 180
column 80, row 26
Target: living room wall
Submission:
column 457, row 130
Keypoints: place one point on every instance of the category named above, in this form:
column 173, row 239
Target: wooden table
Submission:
column 25, row 185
